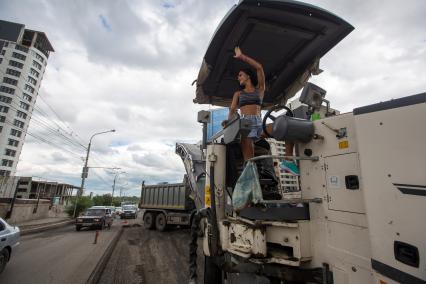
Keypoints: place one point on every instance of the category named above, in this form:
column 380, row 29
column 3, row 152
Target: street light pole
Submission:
column 113, row 186
column 85, row 169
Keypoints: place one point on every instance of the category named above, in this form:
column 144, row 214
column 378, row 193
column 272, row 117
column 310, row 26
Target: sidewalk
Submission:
column 35, row 226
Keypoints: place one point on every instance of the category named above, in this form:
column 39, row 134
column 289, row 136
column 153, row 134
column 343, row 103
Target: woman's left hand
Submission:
column 238, row 52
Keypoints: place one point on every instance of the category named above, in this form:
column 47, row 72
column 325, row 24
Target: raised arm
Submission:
column 256, row 65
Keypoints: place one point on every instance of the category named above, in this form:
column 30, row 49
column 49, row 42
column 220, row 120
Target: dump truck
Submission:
column 357, row 213
column 166, row 204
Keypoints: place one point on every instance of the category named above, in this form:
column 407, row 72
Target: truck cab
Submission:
column 350, row 215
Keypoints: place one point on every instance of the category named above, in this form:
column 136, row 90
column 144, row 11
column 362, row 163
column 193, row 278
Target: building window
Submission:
column 1, row 129
column 6, row 163
column 32, row 80
column 16, row 64
column 10, row 152
column 5, row 99
column 21, row 48
column 4, row 173
column 36, row 65
column 29, row 89
column 34, row 73
column 4, row 109
column 13, row 72
column 7, row 90
column 13, row 142
column 39, row 57
column 10, row 81
column 3, row 51
column 24, row 105
column 15, row 132
column 1, row 60
column 21, row 114
column 19, row 56
column 2, row 118
column 27, row 97
column 18, row 123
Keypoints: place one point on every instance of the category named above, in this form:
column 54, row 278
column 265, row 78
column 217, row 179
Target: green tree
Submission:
column 102, row 200
column 83, row 203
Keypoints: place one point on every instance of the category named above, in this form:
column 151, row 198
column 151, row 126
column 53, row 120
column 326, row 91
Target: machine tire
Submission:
column 77, row 228
column 212, row 273
column 4, row 258
column 161, row 222
column 149, row 221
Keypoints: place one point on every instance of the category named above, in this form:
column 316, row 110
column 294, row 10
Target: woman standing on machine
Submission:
column 249, row 100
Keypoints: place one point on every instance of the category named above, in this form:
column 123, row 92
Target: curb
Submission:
column 96, row 274
column 45, row 228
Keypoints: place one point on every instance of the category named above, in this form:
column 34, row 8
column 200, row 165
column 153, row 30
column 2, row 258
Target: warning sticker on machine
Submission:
column 333, row 182
column 207, row 199
column 343, row 144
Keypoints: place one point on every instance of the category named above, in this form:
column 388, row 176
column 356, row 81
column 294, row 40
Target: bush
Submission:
column 83, row 203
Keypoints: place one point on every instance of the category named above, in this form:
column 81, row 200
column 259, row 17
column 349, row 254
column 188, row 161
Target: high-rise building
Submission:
column 23, row 59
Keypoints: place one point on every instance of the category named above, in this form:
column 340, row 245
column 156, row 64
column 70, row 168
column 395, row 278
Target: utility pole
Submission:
column 84, row 174
column 38, row 197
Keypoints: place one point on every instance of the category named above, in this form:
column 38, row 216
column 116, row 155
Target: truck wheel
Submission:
column 4, row 258
column 212, row 273
column 160, row 222
column 77, row 228
column 148, row 221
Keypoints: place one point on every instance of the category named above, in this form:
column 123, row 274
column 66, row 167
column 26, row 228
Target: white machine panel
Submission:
column 392, row 151
column 338, row 169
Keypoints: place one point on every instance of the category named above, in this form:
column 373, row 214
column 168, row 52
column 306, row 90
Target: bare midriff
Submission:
column 250, row 110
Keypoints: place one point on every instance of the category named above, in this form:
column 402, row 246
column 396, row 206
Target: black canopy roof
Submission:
column 286, row 37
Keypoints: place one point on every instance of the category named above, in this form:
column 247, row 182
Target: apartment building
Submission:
column 23, row 59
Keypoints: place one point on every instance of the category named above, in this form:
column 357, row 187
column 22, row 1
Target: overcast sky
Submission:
column 129, row 65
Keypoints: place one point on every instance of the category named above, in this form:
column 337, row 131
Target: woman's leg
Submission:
column 247, row 148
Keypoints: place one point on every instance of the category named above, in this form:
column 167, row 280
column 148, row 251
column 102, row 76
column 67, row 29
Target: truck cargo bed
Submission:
column 166, row 196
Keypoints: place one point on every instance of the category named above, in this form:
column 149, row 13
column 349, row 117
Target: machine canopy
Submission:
column 288, row 38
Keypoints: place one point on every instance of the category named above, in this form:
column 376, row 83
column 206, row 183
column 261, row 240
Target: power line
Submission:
column 53, row 133
column 56, row 114
column 35, row 107
column 49, row 129
column 101, row 178
column 45, row 141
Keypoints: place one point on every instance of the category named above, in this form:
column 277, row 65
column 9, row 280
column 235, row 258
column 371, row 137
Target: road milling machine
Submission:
column 357, row 215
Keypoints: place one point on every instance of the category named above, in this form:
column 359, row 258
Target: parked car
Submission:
column 95, row 217
column 129, row 211
column 9, row 236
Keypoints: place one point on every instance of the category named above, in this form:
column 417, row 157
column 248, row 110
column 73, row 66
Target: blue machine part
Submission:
column 215, row 124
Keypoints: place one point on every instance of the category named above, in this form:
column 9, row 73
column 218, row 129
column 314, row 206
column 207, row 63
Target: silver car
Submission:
column 9, row 239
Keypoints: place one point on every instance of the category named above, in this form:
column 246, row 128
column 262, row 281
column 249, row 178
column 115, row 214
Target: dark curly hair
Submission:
column 252, row 75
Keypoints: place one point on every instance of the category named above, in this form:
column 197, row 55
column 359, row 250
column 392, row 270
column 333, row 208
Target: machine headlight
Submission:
column 79, row 220
column 97, row 220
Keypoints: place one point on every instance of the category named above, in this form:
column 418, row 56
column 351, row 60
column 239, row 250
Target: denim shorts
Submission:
column 256, row 125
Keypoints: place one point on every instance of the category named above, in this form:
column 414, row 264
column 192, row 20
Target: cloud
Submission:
column 134, row 147
column 129, row 65
column 105, row 23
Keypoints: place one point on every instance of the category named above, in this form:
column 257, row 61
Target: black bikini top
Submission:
column 252, row 98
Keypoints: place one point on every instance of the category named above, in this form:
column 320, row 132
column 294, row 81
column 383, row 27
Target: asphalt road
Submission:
column 150, row 257
column 58, row 256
